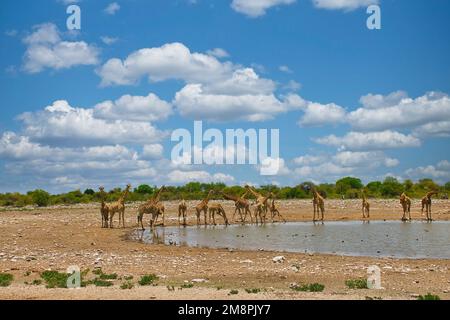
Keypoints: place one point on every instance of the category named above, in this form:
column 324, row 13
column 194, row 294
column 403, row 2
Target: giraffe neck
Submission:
column 206, row 200
column 253, row 192
column 158, row 195
column 103, row 198
column 124, row 195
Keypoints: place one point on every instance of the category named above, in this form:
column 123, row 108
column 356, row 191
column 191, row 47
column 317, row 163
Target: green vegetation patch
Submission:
column 429, row 296
column 148, row 279
column 312, row 287
column 102, row 283
column 253, row 290
column 6, row 279
column 104, row 276
column 127, row 285
column 356, row 284
column 347, row 187
column 55, row 279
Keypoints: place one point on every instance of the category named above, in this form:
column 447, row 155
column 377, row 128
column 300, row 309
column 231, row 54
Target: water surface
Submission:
column 354, row 238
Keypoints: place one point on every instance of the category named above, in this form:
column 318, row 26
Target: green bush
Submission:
column 5, row 279
column 253, row 290
column 429, row 296
column 313, row 287
column 111, row 276
column 55, row 279
column 356, row 283
column 40, row 198
column 147, row 279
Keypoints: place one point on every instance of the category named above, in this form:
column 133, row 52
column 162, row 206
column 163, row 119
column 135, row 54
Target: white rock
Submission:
column 278, row 259
column 199, row 280
column 246, row 261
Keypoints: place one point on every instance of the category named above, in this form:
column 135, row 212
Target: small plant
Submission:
column 105, row 276
column 36, row 282
column 5, row 279
column 187, row 285
column 234, row 291
column 128, row 278
column 127, row 285
column 26, row 274
column 356, row 284
column 253, row 290
column 148, row 279
column 101, row 283
column 55, row 279
column 219, row 288
column 97, row 271
column 313, row 287
column 429, row 296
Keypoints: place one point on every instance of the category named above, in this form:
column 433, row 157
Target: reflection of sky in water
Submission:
column 380, row 239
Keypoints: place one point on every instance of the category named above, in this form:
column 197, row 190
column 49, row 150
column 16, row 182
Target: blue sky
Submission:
column 97, row 106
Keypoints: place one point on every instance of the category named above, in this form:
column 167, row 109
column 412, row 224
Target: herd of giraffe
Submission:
column 262, row 205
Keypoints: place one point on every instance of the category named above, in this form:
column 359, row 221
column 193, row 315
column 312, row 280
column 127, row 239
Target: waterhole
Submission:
column 374, row 239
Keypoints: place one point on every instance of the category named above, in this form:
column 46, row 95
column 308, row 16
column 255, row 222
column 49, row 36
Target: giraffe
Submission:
column 426, row 204
column 365, row 206
column 182, row 210
column 117, row 207
column 260, row 199
column 151, row 207
column 261, row 208
column 103, row 209
column 405, row 201
column 158, row 210
column 319, row 204
column 273, row 208
column 240, row 203
column 214, row 208
column 203, row 206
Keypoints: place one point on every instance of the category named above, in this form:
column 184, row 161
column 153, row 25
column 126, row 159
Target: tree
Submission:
column 447, row 186
column 89, row 192
column 408, row 184
column 374, row 187
column 40, row 197
column 344, row 184
column 391, row 187
column 427, row 185
column 144, row 189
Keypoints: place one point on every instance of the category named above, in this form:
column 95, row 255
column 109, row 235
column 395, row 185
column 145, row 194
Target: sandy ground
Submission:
column 32, row 241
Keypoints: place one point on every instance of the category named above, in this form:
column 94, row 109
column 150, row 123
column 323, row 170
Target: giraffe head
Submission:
column 101, row 188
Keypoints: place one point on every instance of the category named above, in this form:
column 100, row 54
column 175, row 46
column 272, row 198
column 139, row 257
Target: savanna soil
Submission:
column 32, row 241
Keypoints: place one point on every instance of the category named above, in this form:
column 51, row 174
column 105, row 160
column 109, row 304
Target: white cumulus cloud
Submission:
column 46, row 49
column 257, row 8
column 134, row 108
